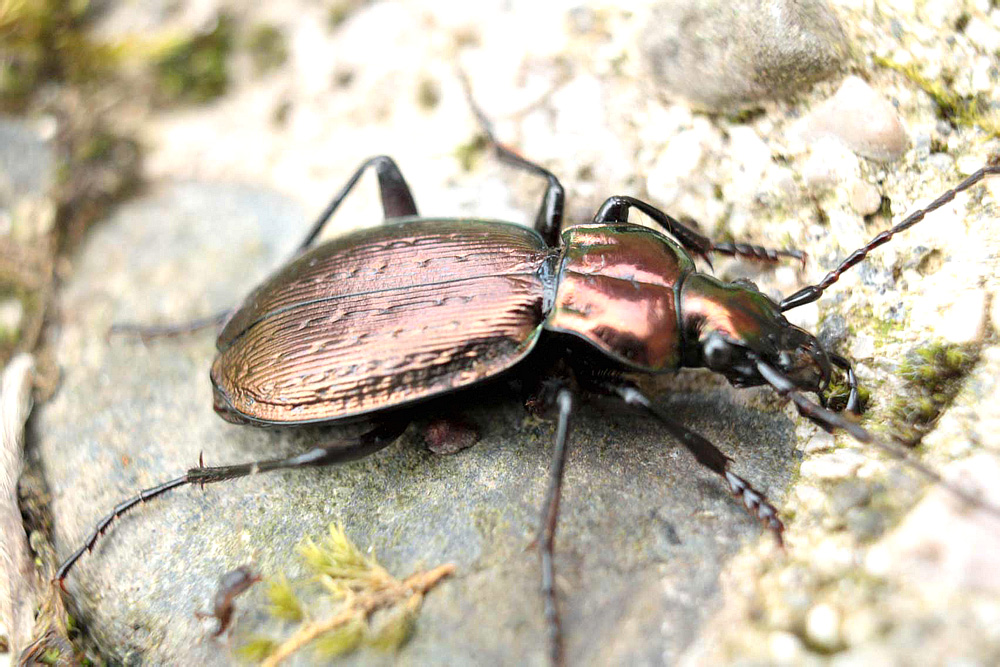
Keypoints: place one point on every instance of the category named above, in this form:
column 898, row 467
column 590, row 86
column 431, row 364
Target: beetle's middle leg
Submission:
column 548, row 222
column 379, row 437
column 712, row 458
column 547, row 528
column 615, row 209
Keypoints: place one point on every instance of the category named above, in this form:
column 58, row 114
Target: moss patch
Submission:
column 267, row 47
column 468, row 154
column 43, row 41
column 362, row 604
column 959, row 110
column 194, row 69
column 933, row 375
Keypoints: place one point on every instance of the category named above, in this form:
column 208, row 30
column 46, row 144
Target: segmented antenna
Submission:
column 813, row 292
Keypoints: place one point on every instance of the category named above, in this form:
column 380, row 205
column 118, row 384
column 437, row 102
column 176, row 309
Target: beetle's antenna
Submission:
column 829, row 419
column 813, row 292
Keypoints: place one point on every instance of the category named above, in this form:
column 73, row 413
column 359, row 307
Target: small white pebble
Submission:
column 878, row 562
column 821, row 441
column 784, row 647
column 823, row 626
column 865, row 198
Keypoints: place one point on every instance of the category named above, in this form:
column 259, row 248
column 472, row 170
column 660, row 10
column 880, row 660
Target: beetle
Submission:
column 369, row 326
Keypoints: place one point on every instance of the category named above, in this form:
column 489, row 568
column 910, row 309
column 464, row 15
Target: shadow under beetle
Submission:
column 365, row 326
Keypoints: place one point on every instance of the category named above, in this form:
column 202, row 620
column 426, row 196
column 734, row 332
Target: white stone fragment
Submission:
column 784, row 647
column 835, row 465
column 947, row 545
column 823, row 626
column 859, row 117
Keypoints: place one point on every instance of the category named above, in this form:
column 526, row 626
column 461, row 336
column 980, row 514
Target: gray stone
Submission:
column 643, row 535
column 27, row 178
column 27, row 162
column 726, row 55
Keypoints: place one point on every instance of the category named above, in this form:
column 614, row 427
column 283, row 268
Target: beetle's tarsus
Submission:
column 756, row 504
column 758, row 253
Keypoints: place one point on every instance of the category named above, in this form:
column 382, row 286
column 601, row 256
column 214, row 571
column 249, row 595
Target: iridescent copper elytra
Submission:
column 366, row 326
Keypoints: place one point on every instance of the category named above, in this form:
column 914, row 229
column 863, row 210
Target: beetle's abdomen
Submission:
column 381, row 318
column 618, row 290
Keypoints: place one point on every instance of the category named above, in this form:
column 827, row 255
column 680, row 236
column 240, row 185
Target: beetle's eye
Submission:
column 749, row 284
column 718, row 353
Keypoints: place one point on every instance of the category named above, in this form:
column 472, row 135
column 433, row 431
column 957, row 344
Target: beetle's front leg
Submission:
column 616, row 208
column 712, row 458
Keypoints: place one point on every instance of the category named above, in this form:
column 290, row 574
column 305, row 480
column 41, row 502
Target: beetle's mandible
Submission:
column 366, row 327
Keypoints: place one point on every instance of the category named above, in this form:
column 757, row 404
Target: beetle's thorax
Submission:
column 619, row 290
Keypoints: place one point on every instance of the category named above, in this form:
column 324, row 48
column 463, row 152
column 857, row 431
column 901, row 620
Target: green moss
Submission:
column 959, row 110
column 337, row 558
column 369, row 606
column 839, row 392
column 267, row 47
column 864, row 320
column 284, row 603
column 257, row 649
column 746, row 115
column 194, row 69
column 468, row 154
column 394, row 631
column 933, row 375
column 428, row 94
column 341, row 641
column 46, row 40
column 51, row 656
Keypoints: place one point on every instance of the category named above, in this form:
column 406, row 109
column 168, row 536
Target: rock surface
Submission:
column 723, row 56
column 657, row 565
column 643, row 533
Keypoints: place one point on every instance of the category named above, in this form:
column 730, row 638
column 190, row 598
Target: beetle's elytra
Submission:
column 367, row 326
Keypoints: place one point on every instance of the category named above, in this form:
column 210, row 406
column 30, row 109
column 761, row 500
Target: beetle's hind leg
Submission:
column 712, row 458
column 397, row 202
column 382, row 435
column 615, row 209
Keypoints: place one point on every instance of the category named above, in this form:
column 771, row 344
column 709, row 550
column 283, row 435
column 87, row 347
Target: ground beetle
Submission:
column 363, row 327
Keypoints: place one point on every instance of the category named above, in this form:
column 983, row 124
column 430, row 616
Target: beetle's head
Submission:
column 730, row 327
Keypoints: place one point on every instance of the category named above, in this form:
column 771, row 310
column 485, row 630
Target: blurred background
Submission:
column 157, row 159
